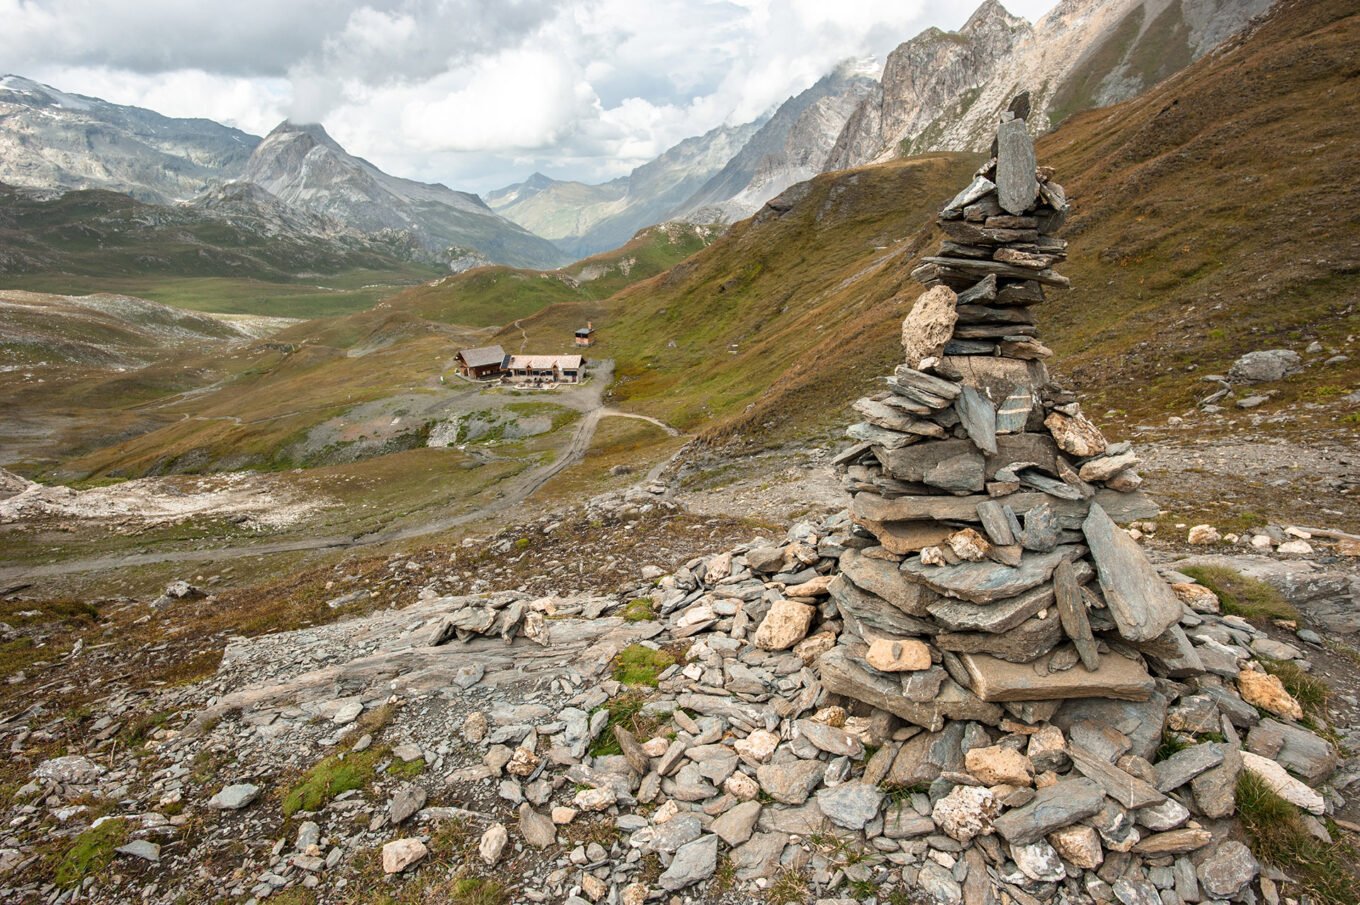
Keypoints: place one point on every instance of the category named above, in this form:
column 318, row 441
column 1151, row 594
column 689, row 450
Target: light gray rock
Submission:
column 537, row 829
column 141, row 848
column 736, row 825
column 1228, row 869
column 1264, row 365
column 693, row 862
column 850, row 804
column 759, row 856
column 234, row 797
column 405, row 802
column 939, row 884
column 1140, row 721
column 1016, row 185
column 1299, row 751
column 978, row 417
column 790, row 783
column 71, row 769
column 1039, row 861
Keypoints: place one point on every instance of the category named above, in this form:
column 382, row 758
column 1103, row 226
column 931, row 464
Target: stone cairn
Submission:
column 983, row 595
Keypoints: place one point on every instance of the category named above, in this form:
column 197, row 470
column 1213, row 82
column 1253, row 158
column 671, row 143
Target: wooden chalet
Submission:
column 585, row 336
column 485, row 363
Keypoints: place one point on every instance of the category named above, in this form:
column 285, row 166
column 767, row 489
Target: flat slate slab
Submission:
column 884, row 579
column 845, row 674
column 993, row 679
column 985, row 582
column 1071, row 514
column 872, row 615
column 1141, row 602
column 1052, row 808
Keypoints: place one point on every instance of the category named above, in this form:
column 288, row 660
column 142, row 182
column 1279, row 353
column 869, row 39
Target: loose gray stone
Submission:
column 978, row 416
column 986, row 582
column 693, row 862
column 790, row 783
column 735, row 826
column 1053, row 808
column 234, row 797
column 1228, row 869
column 141, row 848
column 405, row 802
column 1296, row 749
column 1186, row 764
column 537, row 829
column 851, row 804
column 1264, row 365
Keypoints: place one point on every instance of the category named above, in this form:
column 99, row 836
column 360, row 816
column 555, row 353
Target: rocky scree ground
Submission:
column 313, row 759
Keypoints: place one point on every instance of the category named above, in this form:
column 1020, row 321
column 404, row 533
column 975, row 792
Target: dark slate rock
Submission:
column 860, row 608
column 1016, row 185
column 995, row 523
column 1053, row 808
column 978, row 416
column 985, row 582
column 1186, row 764
column 1071, row 608
column 1142, row 604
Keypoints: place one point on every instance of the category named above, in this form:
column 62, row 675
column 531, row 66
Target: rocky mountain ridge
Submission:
column 303, row 166
column 54, row 140
column 942, row 91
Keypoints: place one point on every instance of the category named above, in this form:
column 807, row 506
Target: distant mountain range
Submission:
column 938, row 91
column 297, row 176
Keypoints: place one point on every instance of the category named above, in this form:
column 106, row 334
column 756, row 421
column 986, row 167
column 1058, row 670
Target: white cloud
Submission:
column 473, row 93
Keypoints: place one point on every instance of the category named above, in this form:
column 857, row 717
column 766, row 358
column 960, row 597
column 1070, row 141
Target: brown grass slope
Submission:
column 1214, row 215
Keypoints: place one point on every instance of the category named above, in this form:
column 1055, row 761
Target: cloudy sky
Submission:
column 473, row 93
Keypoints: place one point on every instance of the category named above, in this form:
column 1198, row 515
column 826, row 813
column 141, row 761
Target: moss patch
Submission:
column 1249, row 598
column 637, row 664
column 329, row 778
column 91, row 852
column 639, row 610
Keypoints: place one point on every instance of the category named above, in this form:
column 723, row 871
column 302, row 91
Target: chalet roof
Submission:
column 585, row 331
column 480, row 358
column 544, row 362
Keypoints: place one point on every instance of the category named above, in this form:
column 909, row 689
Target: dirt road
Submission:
column 588, row 398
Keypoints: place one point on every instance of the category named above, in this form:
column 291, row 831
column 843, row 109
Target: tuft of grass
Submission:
column 478, row 891
column 789, row 887
column 626, row 711
column 91, row 852
column 1249, row 598
column 638, row 664
column 1310, row 691
column 639, row 610
column 332, row 776
column 1278, row 837
column 1171, row 743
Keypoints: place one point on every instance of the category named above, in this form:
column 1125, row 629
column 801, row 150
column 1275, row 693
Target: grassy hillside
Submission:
column 1213, row 216
column 97, row 241
column 494, row 296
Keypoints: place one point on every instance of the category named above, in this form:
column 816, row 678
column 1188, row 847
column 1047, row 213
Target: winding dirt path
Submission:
column 511, row 493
